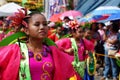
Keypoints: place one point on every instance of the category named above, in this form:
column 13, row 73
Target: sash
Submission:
column 78, row 65
column 24, row 71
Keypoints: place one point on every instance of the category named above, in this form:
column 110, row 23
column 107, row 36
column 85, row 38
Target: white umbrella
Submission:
column 9, row 9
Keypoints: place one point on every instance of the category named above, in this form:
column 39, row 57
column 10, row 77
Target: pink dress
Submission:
column 43, row 68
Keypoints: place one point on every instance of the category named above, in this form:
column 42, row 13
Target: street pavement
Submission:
column 98, row 78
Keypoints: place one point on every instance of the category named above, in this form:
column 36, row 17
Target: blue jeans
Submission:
column 110, row 63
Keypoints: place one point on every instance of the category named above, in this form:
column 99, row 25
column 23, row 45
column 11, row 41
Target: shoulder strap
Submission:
column 24, row 71
column 74, row 46
column 78, row 65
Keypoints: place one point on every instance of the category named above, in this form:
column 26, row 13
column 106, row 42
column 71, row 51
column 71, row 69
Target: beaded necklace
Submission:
column 39, row 56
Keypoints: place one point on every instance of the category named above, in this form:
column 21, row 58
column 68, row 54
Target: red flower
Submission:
column 73, row 24
column 17, row 18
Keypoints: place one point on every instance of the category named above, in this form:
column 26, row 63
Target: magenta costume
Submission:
column 82, row 46
column 43, row 68
column 56, row 66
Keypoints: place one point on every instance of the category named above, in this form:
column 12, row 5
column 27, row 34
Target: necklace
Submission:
column 38, row 56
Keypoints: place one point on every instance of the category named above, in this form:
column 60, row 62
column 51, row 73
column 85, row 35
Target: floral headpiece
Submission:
column 73, row 24
column 17, row 18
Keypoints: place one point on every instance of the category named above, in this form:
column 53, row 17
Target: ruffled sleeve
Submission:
column 63, row 66
column 9, row 62
column 64, row 43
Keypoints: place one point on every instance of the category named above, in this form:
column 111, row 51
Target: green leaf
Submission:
column 12, row 38
column 49, row 42
column 66, row 36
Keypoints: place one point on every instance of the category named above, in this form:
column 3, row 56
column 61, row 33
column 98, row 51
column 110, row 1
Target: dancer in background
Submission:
column 76, row 45
column 58, row 32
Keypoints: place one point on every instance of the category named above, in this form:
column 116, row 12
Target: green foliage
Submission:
column 40, row 9
column 58, row 24
column 86, row 25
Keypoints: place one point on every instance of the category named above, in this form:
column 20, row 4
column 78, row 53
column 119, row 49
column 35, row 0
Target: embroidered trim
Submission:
column 46, row 72
column 44, row 76
column 24, row 72
column 77, row 64
column 91, row 63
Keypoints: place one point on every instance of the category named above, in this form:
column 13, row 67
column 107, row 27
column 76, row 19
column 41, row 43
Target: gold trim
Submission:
column 45, row 71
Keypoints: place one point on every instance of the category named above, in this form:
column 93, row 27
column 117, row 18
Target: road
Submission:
column 98, row 78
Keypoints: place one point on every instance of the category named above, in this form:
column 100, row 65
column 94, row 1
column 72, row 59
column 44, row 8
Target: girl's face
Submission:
column 100, row 26
column 37, row 27
column 78, row 33
column 87, row 34
column 59, row 30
